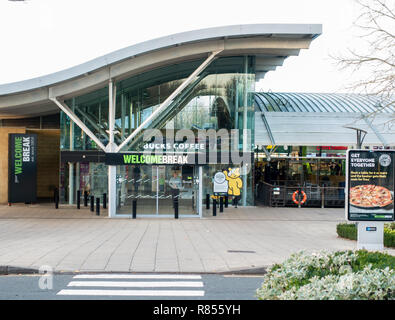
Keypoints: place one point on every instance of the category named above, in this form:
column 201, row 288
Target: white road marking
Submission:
column 172, row 293
column 137, row 276
column 123, row 285
column 137, row 284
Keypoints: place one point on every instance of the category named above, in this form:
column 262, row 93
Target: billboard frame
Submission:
column 347, row 187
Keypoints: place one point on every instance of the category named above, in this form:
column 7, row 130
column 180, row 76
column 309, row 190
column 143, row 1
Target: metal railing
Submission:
column 285, row 196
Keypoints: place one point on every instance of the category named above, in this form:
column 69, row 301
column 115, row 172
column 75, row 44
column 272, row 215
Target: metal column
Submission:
column 157, row 190
column 71, row 166
column 200, row 194
column 245, row 133
column 112, row 170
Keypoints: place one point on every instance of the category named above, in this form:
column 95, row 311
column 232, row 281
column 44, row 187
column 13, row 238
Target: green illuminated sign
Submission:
column 22, row 168
column 154, row 159
column 18, row 155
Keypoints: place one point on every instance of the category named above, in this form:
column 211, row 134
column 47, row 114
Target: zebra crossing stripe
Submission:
column 103, row 285
column 151, row 293
column 138, row 276
column 136, row 284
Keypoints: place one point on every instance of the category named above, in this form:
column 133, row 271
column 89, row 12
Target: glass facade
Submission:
column 86, row 176
column 221, row 97
column 318, row 170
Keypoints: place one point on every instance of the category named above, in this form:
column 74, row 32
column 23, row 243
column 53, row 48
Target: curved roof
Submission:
column 319, row 119
column 271, row 43
column 318, row 102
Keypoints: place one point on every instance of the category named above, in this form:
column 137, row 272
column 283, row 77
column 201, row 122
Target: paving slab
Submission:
column 69, row 240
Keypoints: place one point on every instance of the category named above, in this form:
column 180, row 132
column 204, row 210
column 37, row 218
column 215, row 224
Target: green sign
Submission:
column 148, row 159
column 22, row 171
column 170, row 158
column 154, row 159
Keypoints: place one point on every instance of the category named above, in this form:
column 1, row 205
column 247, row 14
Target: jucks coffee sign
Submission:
column 22, row 171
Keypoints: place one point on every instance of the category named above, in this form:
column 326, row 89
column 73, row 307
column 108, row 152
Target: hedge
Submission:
column 349, row 231
column 341, row 275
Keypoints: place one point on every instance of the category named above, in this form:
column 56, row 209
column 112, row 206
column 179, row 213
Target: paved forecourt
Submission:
column 73, row 240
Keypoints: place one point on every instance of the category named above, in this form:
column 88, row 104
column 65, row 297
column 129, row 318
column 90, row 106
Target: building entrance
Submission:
column 279, row 181
column 156, row 189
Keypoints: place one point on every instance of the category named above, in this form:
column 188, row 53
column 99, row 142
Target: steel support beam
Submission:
column 78, row 122
column 93, row 123
column 168, row 100
column 376, row 132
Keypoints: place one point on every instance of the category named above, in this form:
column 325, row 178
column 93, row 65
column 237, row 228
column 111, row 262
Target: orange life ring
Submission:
column 301, row 201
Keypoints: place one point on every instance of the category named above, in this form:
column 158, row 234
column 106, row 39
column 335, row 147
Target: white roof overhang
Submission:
column 270, row 43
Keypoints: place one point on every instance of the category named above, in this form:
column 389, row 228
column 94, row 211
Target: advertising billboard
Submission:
column 370, row 185
column 22, row 168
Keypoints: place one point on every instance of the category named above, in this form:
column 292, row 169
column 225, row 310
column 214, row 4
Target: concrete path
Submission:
column 76, row 240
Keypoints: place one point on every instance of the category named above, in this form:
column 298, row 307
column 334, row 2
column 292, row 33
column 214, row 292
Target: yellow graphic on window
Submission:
column 234, row 181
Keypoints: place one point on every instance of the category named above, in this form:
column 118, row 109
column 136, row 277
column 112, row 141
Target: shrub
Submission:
column 349, row 231
column 346, row 230
column 377, row 260
column 331, row 275
column 389, row 237
column 368, row 284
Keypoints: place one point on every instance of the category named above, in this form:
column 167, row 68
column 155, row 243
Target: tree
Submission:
column 377, row 59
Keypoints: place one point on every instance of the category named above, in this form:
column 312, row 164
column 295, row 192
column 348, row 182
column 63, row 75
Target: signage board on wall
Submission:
column 148, row 159
column 22, row 168
column 370, row 185
column 142, row 158
column 220, row 184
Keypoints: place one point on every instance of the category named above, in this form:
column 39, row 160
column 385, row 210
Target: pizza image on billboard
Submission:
column 370, row 196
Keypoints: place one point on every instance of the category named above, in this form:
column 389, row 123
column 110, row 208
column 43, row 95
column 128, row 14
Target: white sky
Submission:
column 44, row 36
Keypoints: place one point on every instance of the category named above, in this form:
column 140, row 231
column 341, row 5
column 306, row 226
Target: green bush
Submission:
column 349, row 231
column 377, row 260
column 340, row 275
column 389, row 237
column 346, row 230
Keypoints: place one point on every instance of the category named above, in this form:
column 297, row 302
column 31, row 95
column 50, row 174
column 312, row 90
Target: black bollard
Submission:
column 92, row 203
column 207, row 201
column 56, row 195
column 221, row 204
column 104, row 200
column 226, row 201
column 98, row 206
column 119, row 198
column 78, row 199
column 214, row 207
column 175, row 208
column 236, row 201
column 85, row 198
column 134, row 209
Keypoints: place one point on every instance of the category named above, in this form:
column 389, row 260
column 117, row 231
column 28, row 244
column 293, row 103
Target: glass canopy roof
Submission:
column 319, row 102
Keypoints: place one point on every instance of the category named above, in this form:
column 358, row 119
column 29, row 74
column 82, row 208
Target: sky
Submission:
column 39, row 37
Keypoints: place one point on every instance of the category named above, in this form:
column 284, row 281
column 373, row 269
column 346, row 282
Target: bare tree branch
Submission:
column 377, row 24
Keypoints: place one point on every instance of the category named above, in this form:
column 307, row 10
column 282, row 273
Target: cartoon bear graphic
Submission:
column 234, row 181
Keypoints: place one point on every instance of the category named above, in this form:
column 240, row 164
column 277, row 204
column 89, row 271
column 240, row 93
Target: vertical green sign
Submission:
column 22, row 168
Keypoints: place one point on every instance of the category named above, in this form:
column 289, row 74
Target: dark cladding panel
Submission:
column 82, row 156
